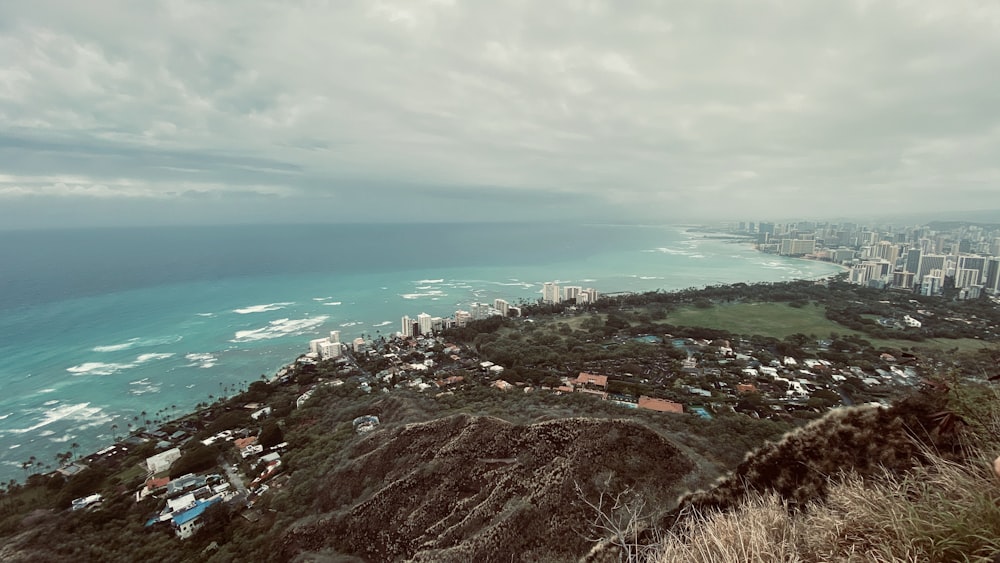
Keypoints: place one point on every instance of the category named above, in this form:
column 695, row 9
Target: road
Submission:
column 234, row 477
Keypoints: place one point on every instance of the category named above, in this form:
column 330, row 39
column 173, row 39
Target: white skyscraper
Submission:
column 502, row 306
column 550, row 292
column 572, row 292
column 407, row 327
column 425, row 324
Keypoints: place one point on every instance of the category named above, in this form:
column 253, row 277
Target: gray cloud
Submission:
column 191, row 111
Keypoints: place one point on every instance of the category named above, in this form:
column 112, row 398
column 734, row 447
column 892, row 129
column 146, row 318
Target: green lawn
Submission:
column 770, row 319
column 780, row 320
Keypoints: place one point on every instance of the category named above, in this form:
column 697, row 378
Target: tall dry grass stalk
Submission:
column 941, row 511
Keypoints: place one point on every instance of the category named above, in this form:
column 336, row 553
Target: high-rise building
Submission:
column 871, row 272
column 971, row 262
column 797, row 247
column 932, row 282
column 462, row 318
column 886, row 250
column 902, row 279
column 571, row 292
column 930, row 262
column 912, row 260
column 479, row 311
column 992, row 284
column 550, row 293
column 966, row 277
column 425, row 324
column 502, row 306
column 407, row 328
column 328, row 349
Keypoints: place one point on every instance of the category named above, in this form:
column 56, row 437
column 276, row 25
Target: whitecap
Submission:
column 143, row 358
column 50, row 403
column 143, row 381
column 262, row 308
column 144, row 390
column 97, row 368
column 280, row 328
column 45, row 433
column 433, row 293
column 322, row 298
column 138, row 343
column 383, row 323
column 80, row 412
column 43, row 391
column 350, row 324
column 117, row 347
column 14, row 446
column 425, row 282
column 63, row 439
column 202, row 360
column 206, row 314
column 333, row 303
column 5, row 416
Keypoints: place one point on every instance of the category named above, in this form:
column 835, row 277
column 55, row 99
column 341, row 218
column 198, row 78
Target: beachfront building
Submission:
column 797, row 247
column 326, row 348
column 502, row 306
column 424, row 324
column 551, row 293
column 588, row 295
column 407, row 327
column 480, row 311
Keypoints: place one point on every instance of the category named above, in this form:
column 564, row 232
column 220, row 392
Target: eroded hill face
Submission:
column 469, row 488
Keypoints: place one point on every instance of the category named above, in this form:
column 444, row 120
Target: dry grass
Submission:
column 942, row 511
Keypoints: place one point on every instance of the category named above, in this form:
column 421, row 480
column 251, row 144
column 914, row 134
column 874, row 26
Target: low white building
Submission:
column 163, row 460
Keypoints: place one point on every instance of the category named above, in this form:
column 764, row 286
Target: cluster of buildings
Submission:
column 923, row 259
column 552, row 293
column 425, row 324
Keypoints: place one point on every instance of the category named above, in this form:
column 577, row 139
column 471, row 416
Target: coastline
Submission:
column 221, row 334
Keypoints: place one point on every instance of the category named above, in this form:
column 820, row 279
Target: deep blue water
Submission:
column 97, row 326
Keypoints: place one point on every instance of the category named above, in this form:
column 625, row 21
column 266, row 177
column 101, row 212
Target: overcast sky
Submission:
column 179, row 112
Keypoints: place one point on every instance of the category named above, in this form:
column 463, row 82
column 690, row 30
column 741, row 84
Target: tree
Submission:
column 198, row 458
column 270, row 435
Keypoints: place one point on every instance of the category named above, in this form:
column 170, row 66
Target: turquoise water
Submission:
column 99, row 327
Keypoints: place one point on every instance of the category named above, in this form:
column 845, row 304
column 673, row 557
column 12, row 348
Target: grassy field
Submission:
column 780, row 320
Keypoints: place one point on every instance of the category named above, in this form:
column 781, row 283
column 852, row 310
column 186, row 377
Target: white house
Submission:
column 162, row 461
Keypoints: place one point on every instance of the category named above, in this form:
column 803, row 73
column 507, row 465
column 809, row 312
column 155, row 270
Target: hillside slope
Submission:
column 467, row 488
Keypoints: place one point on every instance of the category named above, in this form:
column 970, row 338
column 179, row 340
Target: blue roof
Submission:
column 193, row 512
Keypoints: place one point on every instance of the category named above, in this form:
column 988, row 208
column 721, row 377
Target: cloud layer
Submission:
column 112, row 112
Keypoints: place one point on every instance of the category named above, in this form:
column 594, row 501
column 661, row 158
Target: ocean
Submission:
column 102, row 330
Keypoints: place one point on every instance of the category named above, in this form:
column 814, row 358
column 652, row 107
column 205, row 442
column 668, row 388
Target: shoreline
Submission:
column 280, row 363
